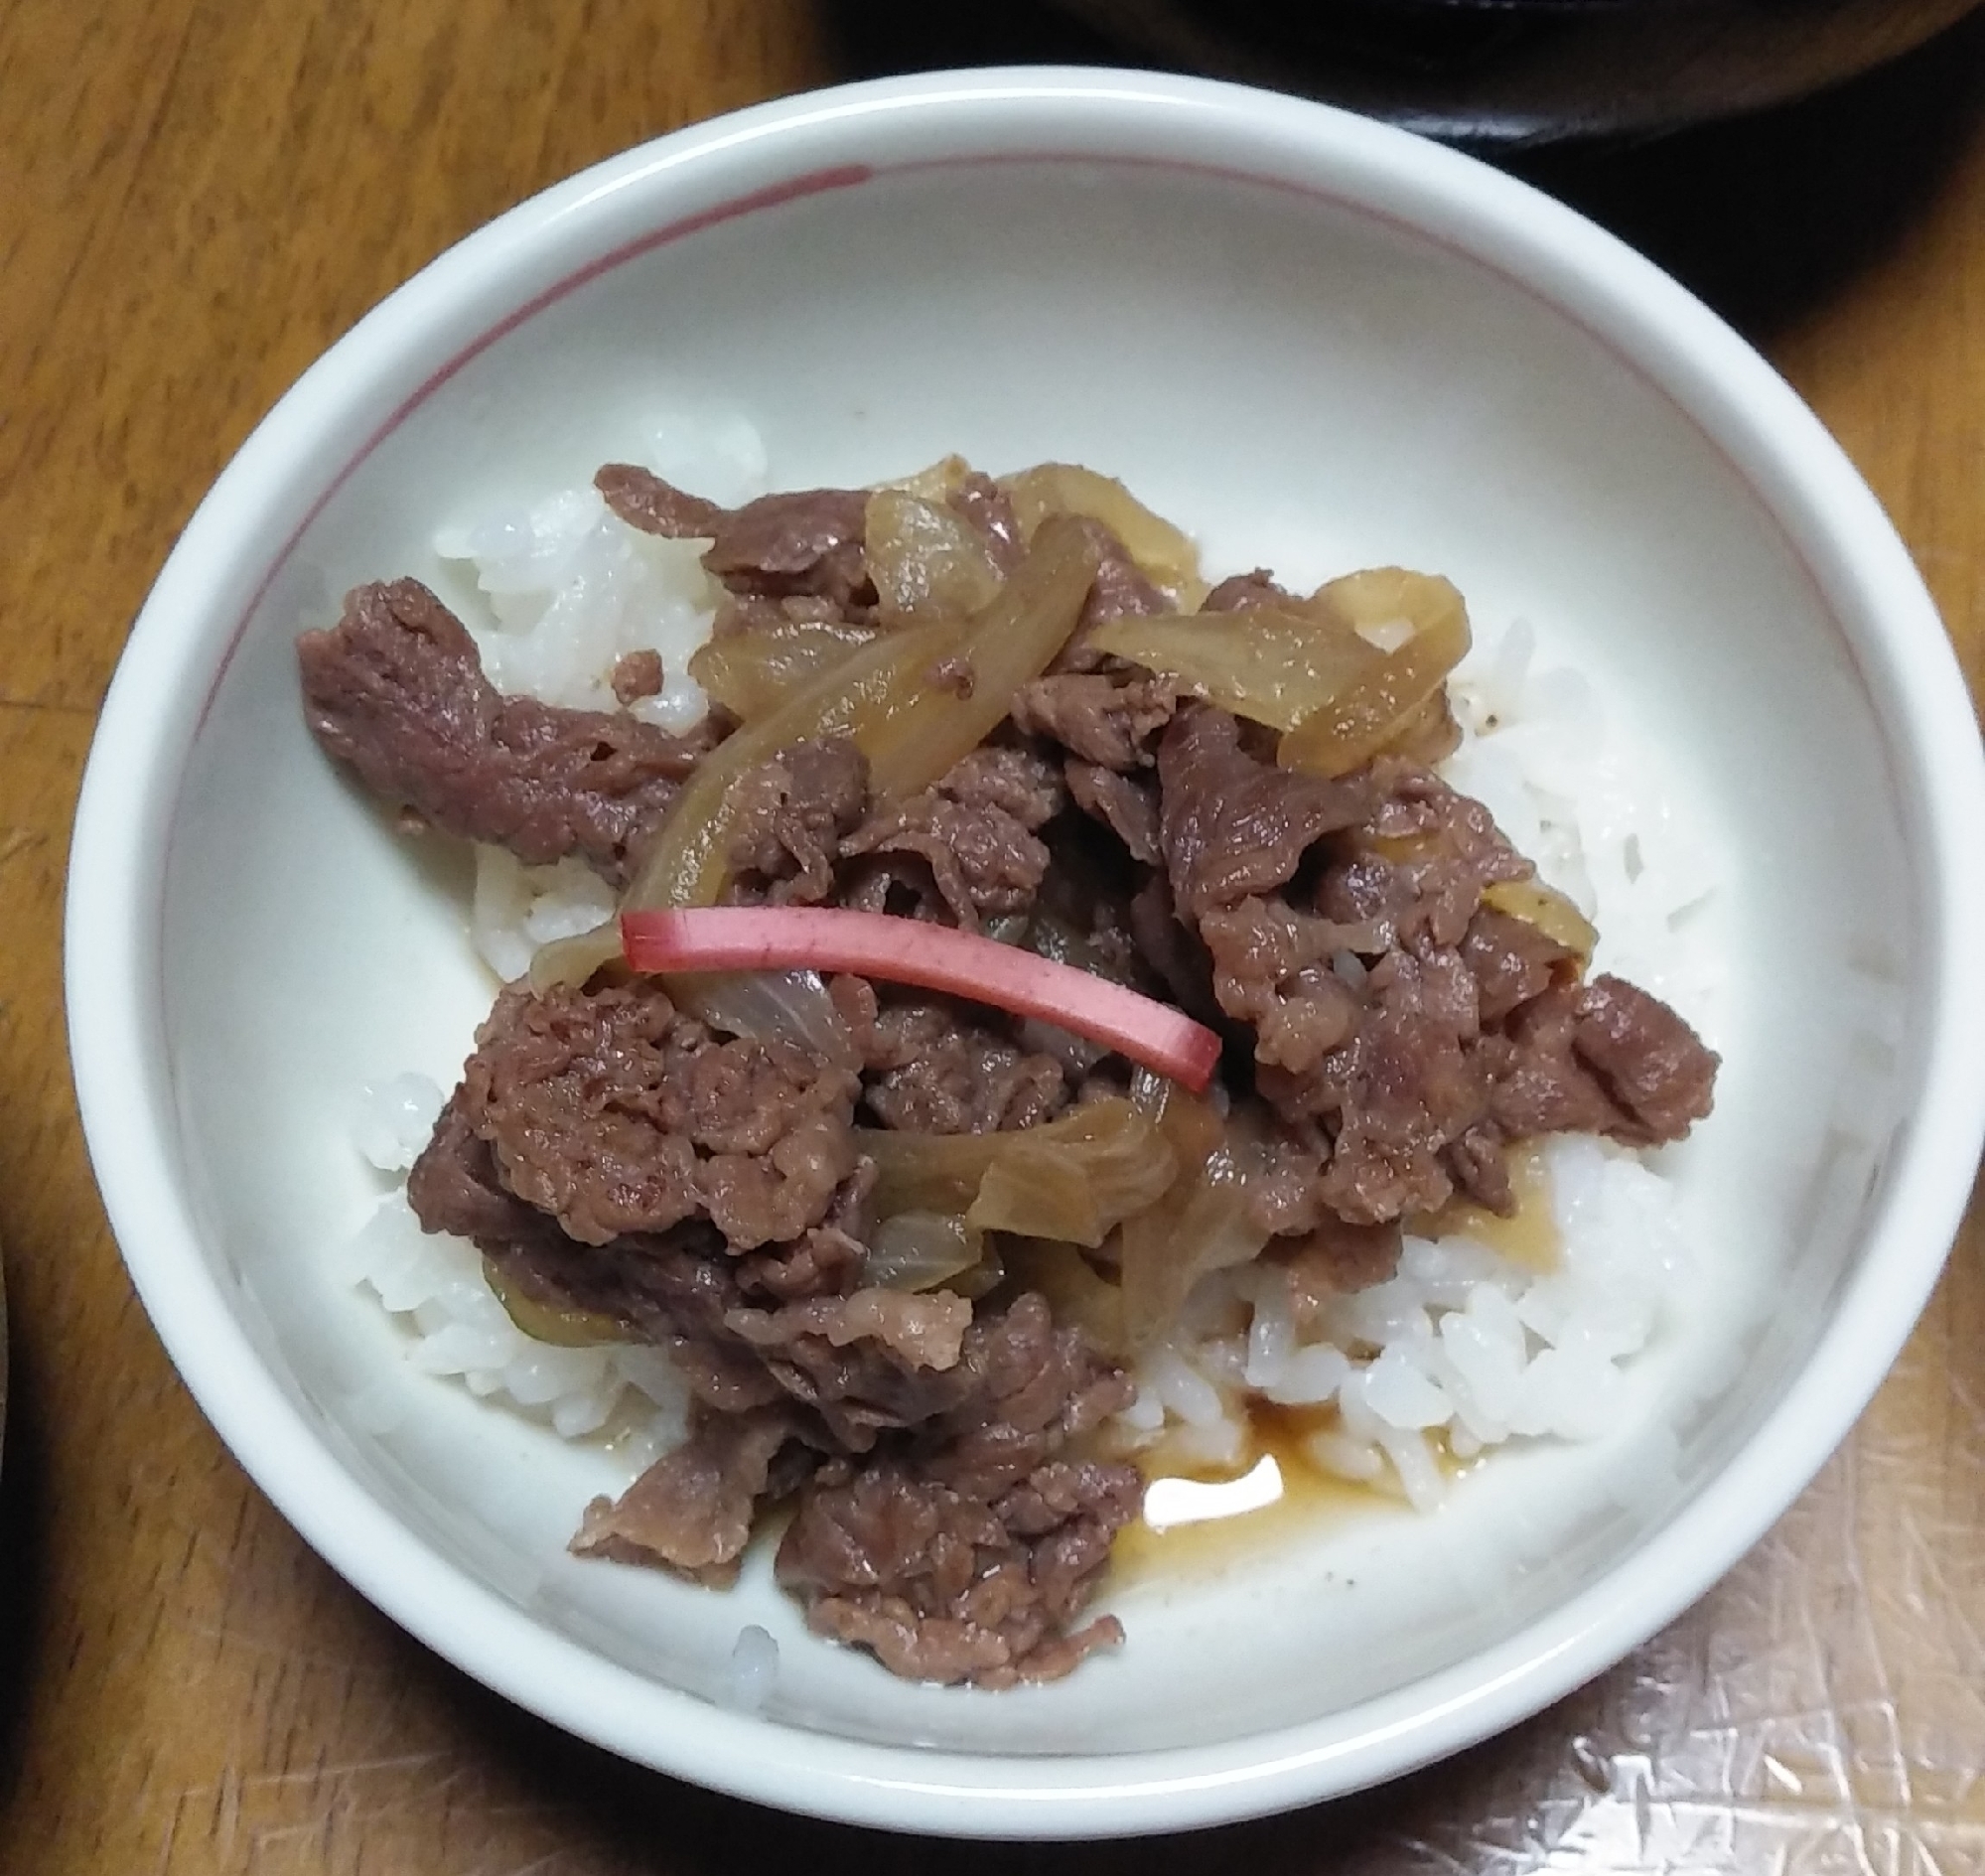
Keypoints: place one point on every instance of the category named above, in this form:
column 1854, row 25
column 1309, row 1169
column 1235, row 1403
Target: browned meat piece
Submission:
column 455, row 1187
column 792, row 815
column 1334, row 1259
column 1272, row 968
column 1232, row 825
column 682, row 1291
column 1018, row 782
column 804, row 544
column 1406, row 1087
column 1175, row 957
column 1480, row 1168
column 637, row 675
column 643, row 499
column 1239, row 591
column 1604, row 1057
column 396, row 689
column 1420, row 861
column 692, row 1510
column 963, row 1551
column 1111, row 720
column 933, row 1071
column 1654, row 1065
column 615, row 1113
column 1120, row 590
column 925, row 1330
column 1511, row 962
column 974, row 830
column 1126, row 806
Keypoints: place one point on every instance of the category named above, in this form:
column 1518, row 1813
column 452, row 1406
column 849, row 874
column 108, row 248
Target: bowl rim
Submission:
column 113, row 955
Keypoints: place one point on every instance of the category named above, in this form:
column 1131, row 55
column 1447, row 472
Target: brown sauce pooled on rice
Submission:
column 1012, row 708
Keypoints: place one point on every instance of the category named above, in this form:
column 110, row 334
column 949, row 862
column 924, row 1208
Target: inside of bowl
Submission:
column 1309, row 387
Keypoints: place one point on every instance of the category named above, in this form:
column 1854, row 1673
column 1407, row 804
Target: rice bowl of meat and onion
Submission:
column 1490, row 1391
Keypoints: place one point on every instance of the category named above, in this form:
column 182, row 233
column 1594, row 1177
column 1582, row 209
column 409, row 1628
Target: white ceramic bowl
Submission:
column 1322, row 343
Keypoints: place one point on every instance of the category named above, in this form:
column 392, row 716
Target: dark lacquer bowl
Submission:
column 1513, row 71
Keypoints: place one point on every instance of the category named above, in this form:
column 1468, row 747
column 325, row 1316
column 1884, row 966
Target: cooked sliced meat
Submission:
column 804, row 544
column 974, row 829
column 1127, row 806
column 792, row 815
column 1234, row 826
column 396, row 689
column 926, row 1331
column 643, row 499
column 1238, row 591
column 1604, row 1057
column 1654, row 1065
column 692, row 1510
column 1121, row 588
column 963, row 1551
column 613, row 1113
column 637, row 675
column 929, row 1069
column 1511, row 962
column 1110, row 719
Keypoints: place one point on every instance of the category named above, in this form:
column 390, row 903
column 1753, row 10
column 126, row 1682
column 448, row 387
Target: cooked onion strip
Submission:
column 1200, row 1226
column 755, row 666
column 931, row 956
column 1071, row 1180
column 1421, row 618
column 1165, row 554
column 547, row 1322
column 927, row 560
column 1548, row 910
column 1272, row 664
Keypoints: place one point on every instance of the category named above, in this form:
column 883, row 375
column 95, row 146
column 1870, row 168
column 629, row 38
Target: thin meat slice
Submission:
column 926, row 1331
column 974, row 828
column 1604, row 1057
column 396, row 689
column 1232, row 826
column 615, row 1112
column 804, row 544
column 929, row 1069
column 1238, row 591
column 792, row 815
column 1111, row 719
column 965, row 1551
column 1127, row 806
column 692, row 1510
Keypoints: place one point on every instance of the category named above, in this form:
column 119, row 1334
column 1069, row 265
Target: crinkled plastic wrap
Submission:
column 1823, row 1709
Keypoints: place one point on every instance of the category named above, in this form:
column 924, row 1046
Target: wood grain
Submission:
column 197, row 196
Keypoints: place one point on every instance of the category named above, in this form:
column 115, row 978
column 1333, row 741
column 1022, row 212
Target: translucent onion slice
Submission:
column 1272, row 664
column 786, row 1005
column 1166, row 555
column 927, row 560
column 1073, row 1179
column 542, row 1322
column 753, row 668
column 1201, row 1224
column 918, row 1250
column 1421, row 619
column 941, row 480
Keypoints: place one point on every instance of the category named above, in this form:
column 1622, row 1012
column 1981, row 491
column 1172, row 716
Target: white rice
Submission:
column 1463, row 1349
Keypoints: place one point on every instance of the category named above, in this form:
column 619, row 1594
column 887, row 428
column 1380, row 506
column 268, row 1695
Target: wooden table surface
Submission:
column 195, row 196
